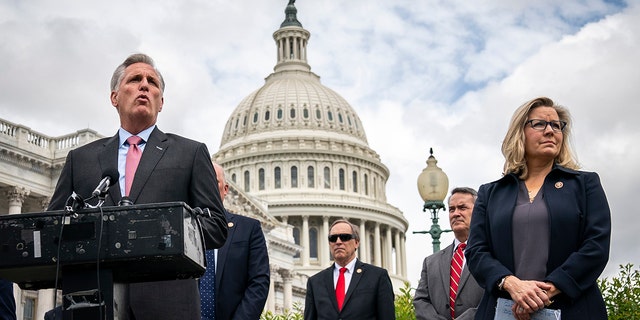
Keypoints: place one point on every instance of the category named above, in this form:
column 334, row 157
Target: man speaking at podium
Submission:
column 153, row 167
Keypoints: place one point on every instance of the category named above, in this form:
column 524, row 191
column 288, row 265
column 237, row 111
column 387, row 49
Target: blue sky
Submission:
column 420, row 74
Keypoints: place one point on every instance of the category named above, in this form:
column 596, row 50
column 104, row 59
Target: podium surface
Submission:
column 136, row 243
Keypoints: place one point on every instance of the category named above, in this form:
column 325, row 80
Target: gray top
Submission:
column 530, row 236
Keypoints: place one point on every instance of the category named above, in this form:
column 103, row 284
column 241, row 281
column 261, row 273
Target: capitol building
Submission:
column 296, row 157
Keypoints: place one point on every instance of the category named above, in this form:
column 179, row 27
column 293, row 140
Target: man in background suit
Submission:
column 241, row 266
column 171, row 168
column 369, row 293
column 431, row 299
column 7, row 301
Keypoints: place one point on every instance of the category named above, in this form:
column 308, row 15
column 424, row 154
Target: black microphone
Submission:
column 126, row 201
column 110, row 175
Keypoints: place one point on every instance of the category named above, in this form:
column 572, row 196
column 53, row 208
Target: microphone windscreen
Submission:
column 112, row 173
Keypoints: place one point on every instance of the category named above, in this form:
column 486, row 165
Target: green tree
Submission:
column 404, row 304
column 622, row 294
column 295, row 314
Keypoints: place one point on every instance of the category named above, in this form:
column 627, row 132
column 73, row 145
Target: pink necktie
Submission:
column 131, row 164
column 456, row 270
column 340, row 288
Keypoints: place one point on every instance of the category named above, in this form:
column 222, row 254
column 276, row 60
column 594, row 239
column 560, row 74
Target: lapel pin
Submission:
column 159, row 148
column 230, row 224
column 358, row 270
column 559, row 184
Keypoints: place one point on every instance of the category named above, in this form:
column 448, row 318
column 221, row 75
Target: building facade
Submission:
column 299, row 147
column 296, row 157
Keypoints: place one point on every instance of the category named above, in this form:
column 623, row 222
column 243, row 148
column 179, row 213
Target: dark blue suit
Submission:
column 7, row 302
column 242, row 273
column 580, row 232
column 369, row 296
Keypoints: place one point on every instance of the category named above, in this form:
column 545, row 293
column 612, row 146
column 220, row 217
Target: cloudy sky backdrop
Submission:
column 420, row 74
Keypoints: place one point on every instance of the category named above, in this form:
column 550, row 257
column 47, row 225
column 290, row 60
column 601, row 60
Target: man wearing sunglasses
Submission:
column 349, row 289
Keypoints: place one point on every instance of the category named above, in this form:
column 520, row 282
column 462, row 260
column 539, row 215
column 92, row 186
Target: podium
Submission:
column 94, row 253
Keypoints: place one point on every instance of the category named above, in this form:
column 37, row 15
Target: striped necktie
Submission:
column 456, row 271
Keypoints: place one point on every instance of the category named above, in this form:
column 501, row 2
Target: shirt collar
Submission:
column 144, row 134
column 350, row 266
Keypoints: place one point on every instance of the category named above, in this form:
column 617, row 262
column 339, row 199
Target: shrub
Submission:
column 404, row 304
column 622, row 294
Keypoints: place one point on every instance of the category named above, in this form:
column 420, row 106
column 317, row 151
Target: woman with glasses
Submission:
column 540, row 235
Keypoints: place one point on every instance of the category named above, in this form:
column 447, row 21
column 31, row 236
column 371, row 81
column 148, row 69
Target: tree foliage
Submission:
column 622, row 294
column 404, row 304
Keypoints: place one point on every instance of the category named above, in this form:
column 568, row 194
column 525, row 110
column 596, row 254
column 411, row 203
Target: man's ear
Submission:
column 114, row 98
column 161, row 104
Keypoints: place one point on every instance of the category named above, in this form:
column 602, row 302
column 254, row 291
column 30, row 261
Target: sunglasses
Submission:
column 344, row 237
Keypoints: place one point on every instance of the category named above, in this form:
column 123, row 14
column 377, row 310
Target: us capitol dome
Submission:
column 299, row 151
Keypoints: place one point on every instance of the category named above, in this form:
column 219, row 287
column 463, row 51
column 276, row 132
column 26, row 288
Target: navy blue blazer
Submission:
column 369, row 296
column 580, row 231
column 172, row 168
column 7, row 302
column 242, row 273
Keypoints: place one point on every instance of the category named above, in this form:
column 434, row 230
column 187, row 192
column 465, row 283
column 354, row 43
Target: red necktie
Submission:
column 456, row 270
column 131, row 164
column 340, row 288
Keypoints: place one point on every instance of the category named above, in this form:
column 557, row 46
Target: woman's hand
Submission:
column 529, row 295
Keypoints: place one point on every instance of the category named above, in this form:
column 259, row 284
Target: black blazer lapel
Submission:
column 222, row 252
column 327, row 280
column 108, row 158
column 358, row 272
column 153, row 152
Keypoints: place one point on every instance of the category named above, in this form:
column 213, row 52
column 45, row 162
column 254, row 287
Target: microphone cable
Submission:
column 99, row 251
column 68, row 207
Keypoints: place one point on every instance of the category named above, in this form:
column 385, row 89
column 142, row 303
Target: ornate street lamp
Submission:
column 433, row 186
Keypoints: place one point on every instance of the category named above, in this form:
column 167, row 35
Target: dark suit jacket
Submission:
column 369, row 296
column 172, row 168
column 580, row 232
column 7, row 302
column 242, row 273
column 431, row 299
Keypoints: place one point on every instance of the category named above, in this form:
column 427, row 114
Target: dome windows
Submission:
column 277, row 177
column 327, row 178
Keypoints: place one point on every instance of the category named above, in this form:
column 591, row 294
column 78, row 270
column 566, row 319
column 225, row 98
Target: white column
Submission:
column 45, row 302
column 324, row 243
column 364, row 249
column 287, row 276
column 398, row 253
column 404, row 255
column 16, row 197
column 271, row 298
column 389, row 249
column 376, row 246
column 304, row 241
column 287, row 50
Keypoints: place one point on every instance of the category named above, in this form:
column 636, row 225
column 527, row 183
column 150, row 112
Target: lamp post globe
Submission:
column 433, row 185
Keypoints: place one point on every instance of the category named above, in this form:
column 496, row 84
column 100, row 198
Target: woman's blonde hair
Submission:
column 513, row 143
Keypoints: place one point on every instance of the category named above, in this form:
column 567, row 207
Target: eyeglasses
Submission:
column 541, row 125
column 344, row 237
